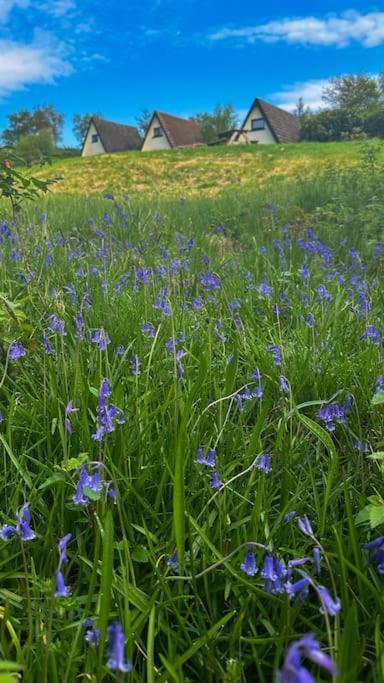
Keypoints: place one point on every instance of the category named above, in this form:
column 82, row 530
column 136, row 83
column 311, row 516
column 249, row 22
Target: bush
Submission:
column 374, row 124
column 330, row 124
column 36, row 146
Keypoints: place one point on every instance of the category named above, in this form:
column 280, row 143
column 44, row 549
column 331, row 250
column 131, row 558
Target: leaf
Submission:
column 140, row 554
column 57, row 478
column 378, row 399
column 376, row 516
column 92, row 495
column 74, row 463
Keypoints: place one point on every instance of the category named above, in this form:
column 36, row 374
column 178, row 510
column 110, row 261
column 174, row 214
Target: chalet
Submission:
column 105, row 137
column 267, row 124
column 167, row 132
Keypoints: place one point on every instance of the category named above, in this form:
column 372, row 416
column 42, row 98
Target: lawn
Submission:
column 206, row 171
column 191, row 426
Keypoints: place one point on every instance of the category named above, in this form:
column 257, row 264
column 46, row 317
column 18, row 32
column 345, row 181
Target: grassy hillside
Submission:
column 204, row 171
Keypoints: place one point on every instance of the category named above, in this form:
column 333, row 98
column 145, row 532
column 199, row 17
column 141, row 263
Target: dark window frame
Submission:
column 158, row 132
column 260, row 120
column 95, row 138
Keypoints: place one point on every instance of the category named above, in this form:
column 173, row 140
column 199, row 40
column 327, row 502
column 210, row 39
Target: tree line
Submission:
column 353, row 108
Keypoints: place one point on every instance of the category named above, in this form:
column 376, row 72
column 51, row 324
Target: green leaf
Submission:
column 140, row 554
column 58, row 478
column 92, row 495
column 378, row 399
column 74, row 463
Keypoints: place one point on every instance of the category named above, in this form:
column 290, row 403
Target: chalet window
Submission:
column 95, row 137
column 257, row 124
column 157, row 132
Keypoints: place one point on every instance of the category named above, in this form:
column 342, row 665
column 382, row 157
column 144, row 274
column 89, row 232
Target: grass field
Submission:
column 204, row 171
column 191, row 432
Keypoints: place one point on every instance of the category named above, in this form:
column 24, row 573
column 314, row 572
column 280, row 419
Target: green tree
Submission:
column 80, row 125
column 356, row 93
column 143, row 120
column 222, row 118
column 25, row 122
column 35, row 146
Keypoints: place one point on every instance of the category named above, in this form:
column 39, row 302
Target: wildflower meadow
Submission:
column 191, row 436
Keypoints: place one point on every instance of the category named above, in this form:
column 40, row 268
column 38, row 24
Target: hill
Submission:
column 206, row 171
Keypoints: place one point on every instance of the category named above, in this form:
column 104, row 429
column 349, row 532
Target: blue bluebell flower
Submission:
column 293, row 670
column 305, row 525
column 328, row 604
column 249, row 565
column 284, row 384
column 372, row 334
column 16, row 350
column 62, row 591
column 264, row 463
column 117, row 661
column 376, row 548
column 215, row 481
column 210, row 460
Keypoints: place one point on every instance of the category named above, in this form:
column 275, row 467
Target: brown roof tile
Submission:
column 179, row 132
column 117, row 137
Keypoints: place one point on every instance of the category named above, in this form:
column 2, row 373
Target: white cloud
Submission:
column 310, row 91
column 39, row 62
column 349, row 27
column 6, row 7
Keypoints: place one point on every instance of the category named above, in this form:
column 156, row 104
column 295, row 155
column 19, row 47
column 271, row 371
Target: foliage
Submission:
column 18, row 186
column 222, row 119
column 27, row 122
column 143, row 121
column 330, row 124
column 35, row 147
column 224, row 299
column 374, row 124
column 357, row 93
column 80, row 125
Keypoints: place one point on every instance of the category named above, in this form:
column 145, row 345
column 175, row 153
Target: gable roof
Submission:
column 116, row 137
column 285, row 127
column 179, row 132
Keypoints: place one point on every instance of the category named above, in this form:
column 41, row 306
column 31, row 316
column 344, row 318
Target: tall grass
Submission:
column 224, row 280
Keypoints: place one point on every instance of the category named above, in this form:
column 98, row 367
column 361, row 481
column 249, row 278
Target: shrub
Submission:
column 35, row 146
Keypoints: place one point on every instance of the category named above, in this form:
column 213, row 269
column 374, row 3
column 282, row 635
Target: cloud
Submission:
column 39, row 62
column 6, row 7
column 340, row 31
column 310, row 91
column 58, row 8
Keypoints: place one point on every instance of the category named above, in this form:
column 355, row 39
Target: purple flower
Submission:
column 62, row 549
column 331, row 414
column 249, row 565
column 107, row 414
column 79, row 325
column 371, row 333
column 162, row 304
column 68, row 410
column 101, row 338
column 23, row 528
column 116, row 661
column 135, row 364
column 362, row 446
column 16, row 350
column 328, row 605
column 379, row 384
column 274, row 574
column 48, row 348
column 323, row 294
column 275, row 350
column 305, row 525
column 264, row 463
column 293, row 670
column 209, row 461
column 56, row 325
column 299, row 588
column 210, row 281
column 310, row 321
column 377, row 553
column 62, row 591
column 7, row 531
column 173, row 563
column 80, row 498
column 92, row 636
column 284, row 385
column 180, row 369
column 289, row 516
column 119, row 350
column 215, row 481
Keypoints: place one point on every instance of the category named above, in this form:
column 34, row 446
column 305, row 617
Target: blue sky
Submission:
column 179, row 56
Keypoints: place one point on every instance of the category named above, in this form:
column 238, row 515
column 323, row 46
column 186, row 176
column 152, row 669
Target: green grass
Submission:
column 205, row 620
column 200, row 171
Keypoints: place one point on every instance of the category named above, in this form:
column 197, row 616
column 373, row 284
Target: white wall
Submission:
column 151, row 143
column 91, row 148
column 263, row 137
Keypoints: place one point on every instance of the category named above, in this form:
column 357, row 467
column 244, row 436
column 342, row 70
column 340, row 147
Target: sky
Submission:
column 116, row 57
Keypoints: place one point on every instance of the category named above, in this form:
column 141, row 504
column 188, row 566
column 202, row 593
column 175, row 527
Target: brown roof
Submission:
column 179, row 132
column 284, row 126
column 116, row 137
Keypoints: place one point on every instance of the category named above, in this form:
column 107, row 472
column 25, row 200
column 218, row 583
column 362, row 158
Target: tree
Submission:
column 35, row 146
column 143, row 121
column 356, row 93
column 80, row 125
column 27, row 122
column 222, row 118
column 301, row 110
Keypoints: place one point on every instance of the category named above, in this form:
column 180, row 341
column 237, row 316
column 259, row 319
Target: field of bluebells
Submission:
column 191, row 437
